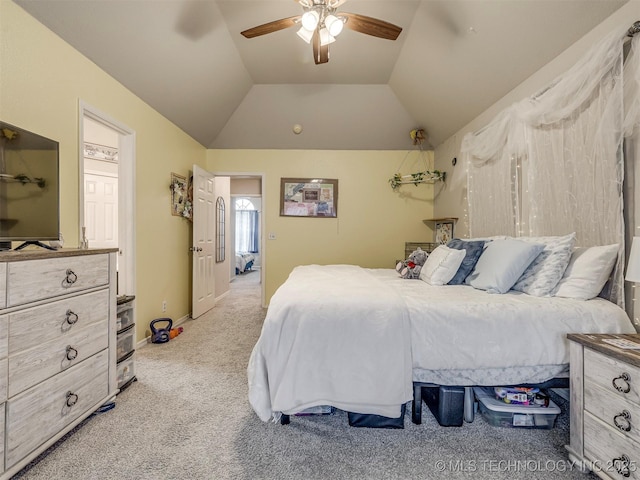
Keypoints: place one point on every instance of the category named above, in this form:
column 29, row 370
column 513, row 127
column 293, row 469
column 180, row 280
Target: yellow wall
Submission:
column 373, row 221
column 42, row 80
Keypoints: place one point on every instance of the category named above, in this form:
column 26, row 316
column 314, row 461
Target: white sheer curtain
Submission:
column 562, row 153
column 632, row 156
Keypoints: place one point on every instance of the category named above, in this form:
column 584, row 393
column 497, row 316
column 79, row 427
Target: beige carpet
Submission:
column 187, row 417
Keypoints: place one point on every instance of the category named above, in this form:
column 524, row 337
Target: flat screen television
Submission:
column 29, row 188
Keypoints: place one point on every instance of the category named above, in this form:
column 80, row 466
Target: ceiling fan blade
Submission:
column 271, row 27
column 320, row 52
column 371, row 26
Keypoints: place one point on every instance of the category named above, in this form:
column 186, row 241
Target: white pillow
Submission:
column 441, row 265
column 502, row 263
column 542, row 276
column 588, row 271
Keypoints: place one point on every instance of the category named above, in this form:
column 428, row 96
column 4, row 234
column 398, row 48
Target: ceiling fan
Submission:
column 321, row 23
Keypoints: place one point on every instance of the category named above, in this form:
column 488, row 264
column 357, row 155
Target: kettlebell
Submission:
column 159, row 334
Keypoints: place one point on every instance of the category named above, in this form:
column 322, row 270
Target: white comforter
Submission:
column 349, row 337
column 333, row 335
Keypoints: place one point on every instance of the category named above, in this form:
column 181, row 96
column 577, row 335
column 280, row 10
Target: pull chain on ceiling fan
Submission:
column 321, row 23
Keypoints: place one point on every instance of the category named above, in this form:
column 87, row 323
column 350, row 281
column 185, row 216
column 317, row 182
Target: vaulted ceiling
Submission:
column 187, row 59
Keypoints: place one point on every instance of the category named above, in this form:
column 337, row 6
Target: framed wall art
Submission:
column 444, row 232
column 309, row 197
column 178, row 195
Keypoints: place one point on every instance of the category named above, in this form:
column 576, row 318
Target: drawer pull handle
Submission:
column 72, row 399
column 624, row 423
column 71, row 317
column 626, row 379
column 624, row 468
column 71, row 277
column 72, row 353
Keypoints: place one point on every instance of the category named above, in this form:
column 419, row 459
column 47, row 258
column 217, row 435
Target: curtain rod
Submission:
column 635, row 28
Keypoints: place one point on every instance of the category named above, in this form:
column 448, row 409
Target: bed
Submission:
column 244, row 262
column 357, row 339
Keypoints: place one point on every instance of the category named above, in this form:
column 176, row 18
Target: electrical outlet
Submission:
column 164, row 306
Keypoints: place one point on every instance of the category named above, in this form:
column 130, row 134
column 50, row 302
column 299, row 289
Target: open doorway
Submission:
column 246, row 227
column 107, row 195
column 246, row 212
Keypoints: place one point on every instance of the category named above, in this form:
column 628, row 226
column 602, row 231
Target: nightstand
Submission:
column 605, row 406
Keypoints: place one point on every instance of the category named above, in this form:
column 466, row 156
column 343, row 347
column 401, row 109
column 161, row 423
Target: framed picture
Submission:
column 308, row 197
column 444, row 232
column 179, row 188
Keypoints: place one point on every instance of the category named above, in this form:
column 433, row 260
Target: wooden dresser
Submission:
column 605, row 406
column 57, row 346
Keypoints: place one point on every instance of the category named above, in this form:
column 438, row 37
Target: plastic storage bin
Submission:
column 124, row 316
column 126, row 342
column 126, row 370
column 500, row 414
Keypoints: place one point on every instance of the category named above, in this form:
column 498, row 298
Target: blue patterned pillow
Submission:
column 545, row 272
column 473, row 249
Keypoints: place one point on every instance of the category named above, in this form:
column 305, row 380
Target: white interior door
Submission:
column 204, row 242
column 101, row 210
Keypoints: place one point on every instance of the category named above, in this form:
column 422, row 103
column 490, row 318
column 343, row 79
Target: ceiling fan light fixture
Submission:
column 334, row 25
column 325, row 37
column 310, row 20
column 305, row 34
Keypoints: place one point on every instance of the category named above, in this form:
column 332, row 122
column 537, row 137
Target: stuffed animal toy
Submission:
column 411, row 267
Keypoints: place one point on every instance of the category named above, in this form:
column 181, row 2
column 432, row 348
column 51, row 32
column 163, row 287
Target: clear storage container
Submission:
column 500, row 414
column 126, row 370
column 126, row 342
column 124, row 316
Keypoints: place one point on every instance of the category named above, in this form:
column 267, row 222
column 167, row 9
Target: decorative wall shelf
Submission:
column 23, row 179
column 427, row 176
column 418, row 136
column 431, row 221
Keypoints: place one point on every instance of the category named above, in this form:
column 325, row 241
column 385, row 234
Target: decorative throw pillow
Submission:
column 542, row 276
column 502, row 263
column 441, row 265
column 588, row 271
column 473, row 250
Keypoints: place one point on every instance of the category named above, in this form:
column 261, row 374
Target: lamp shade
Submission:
column 633, row 266
column 333, row 24
column 310, row 20
column 325, row 37
column 305, row 34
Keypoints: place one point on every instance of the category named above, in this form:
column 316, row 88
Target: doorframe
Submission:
column 263, row 250
column 126, row 189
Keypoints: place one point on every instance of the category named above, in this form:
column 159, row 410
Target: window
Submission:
column 247, row 223
column 220, row 230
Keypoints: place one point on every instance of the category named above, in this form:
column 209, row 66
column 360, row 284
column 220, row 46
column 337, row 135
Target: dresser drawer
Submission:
column 32, row 327
column 41, row 279
column 2, row 410
column 36, row 364
column 613, row 410
column 4, row 378
column 3, row 285
column 610, row 452
column 41, row 412
column 606, row 371
column 4, row 335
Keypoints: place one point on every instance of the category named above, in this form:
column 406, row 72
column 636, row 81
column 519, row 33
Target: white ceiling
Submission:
column 187, row 59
